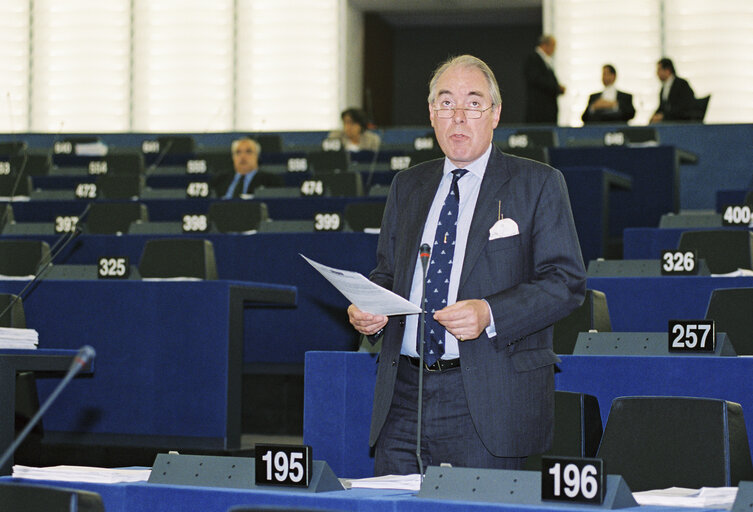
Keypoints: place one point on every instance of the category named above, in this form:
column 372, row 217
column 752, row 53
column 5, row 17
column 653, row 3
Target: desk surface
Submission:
column 143, row 497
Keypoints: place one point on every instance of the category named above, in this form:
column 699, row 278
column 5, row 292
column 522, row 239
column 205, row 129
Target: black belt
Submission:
column 439, row 365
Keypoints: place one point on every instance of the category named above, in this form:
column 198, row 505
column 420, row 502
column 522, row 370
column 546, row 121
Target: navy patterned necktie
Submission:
column 438, row 274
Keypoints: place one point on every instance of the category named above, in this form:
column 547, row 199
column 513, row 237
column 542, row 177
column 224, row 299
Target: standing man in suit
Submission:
column 542, row 86
column 676, row 98
column 610, row 105
column 514, row 267
column 246, row 176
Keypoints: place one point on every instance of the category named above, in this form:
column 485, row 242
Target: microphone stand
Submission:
column 85, row 354
column 60, row 244
column 424, row 255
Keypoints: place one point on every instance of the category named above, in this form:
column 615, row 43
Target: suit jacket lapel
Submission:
column 495, row 177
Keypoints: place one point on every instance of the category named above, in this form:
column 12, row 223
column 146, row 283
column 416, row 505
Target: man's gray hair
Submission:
column 466, row 61
column 234, row 145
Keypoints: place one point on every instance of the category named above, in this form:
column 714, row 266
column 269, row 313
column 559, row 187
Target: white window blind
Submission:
column 287, row 65
column 14, row 67
column 80, row 66
column 591, row 33
column 183, row 65
column 711, row 45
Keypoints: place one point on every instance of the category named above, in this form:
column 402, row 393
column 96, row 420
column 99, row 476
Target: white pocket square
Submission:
column 503, row 228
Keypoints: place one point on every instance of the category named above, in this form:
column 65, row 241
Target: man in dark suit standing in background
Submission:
column 676, row 98
column 246, row 176
column 542, row 87
column 610, row 105
column 505, row 265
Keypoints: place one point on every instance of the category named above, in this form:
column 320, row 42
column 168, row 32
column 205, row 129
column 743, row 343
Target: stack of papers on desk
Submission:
column 705, row 497
column 82, row 474
column 401, row 482
column 11, row 337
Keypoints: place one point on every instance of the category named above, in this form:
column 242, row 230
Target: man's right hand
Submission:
column 364, row 322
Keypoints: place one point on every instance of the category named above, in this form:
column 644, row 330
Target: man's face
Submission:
column 245, row 158
column 463, row 140
column 350, row 127
column 607, row 77
column 662, row 73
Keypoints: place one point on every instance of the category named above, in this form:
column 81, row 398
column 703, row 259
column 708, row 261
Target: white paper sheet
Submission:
column 367, row 296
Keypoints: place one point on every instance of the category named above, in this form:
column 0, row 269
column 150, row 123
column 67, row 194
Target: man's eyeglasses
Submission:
column 470, row 113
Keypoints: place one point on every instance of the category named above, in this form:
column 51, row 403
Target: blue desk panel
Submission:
column 169, row 355
column 143, row 497
column 655, row 174
column 339, row 393
column 645, row 304
column 590, row 190
column 319, row 322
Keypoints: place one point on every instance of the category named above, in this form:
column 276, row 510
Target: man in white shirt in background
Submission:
column 610, row 105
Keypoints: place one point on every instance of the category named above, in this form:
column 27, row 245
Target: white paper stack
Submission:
column 12, row 337
column 705, row 497
column 82, row 474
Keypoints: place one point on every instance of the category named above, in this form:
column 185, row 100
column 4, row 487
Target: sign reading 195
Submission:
column 572, row 479
column 283, row 465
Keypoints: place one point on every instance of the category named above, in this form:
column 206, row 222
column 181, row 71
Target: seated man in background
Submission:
column 676, row 98
column 355, row 136
column 246, row 176
column 610, row 105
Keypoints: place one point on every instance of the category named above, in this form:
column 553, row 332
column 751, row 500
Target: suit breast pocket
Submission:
column 503, row 244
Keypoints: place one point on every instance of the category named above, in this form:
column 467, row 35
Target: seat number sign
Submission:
column 572, row 479
column 283, row 465
column 691, row 336
column 116, row 267
column 674, row 262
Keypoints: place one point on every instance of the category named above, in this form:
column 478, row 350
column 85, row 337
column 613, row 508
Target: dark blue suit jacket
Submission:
column 530, row 280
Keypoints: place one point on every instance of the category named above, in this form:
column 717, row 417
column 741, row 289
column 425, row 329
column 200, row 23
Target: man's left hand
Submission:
column 465, row 319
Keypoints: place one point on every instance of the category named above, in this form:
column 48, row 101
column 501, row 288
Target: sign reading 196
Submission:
column 572, row 479
column 283, row 465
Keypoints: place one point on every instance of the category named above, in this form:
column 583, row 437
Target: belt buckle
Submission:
column 429, row 368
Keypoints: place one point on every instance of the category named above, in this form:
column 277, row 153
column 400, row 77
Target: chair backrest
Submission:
column 731, row 309
column 533, row 138
column 577, row 427
column 725, row 250
column 6, row 216
column 424, row 155
column 22, row 257
column 631, row 135
column 593, row 314
column 120, row 186
column 360, row 216
column 237, row 216
column 328, row 161
column 700, row 107
column 18, row 497
column 349, row 184
column 286, row 226
column 125, row 163
column 12, row 185
column 15, row 317
column 269, row 143
column 113, row 218
column 659, row 442
column 690, row 220
column 749, row 199
column 178, row 257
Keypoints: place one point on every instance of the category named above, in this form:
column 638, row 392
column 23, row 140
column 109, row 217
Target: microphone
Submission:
column 60, row 244
column 424, row 254
column 84, row 355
